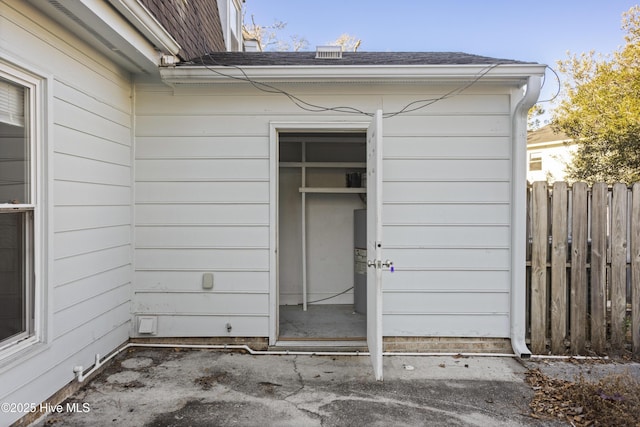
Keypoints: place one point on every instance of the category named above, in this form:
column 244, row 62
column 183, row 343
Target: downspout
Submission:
column 518, row 216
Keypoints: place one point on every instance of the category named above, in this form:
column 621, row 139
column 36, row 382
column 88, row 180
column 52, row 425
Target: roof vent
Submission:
column 329, row 52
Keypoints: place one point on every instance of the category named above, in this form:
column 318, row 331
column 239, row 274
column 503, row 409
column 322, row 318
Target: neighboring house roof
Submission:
column 546, row 134
column 194, row 24
column 348, row 58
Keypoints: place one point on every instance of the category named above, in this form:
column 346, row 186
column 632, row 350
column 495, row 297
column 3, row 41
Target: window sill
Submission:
column 18, row 353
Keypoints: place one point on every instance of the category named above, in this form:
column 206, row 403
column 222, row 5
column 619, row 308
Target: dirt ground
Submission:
column 591, row 392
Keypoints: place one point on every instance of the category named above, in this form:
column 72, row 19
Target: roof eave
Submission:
column 141, row 18
column 350, row 73
column 551, row 144
column 106, row 29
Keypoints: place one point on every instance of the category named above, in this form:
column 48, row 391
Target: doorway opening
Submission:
column 322, row 260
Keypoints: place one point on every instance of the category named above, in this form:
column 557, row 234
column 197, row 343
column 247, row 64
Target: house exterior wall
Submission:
column 202, row 205
column 89, row 138
column 446, row 220
column 553, row 159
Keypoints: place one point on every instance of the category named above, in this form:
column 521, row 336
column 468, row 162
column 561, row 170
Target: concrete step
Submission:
column 321, row 345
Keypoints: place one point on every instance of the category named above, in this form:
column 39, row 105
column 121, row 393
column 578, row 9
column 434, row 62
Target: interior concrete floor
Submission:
column 322, row 321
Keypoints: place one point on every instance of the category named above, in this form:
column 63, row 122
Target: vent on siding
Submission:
column 329, row 52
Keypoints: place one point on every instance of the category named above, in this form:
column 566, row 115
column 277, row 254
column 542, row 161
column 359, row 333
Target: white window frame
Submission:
column 535, row 157
column 39, row 267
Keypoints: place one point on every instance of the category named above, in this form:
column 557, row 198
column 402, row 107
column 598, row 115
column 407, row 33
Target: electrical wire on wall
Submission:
column 408, row 108
column 423, row 103
column 268, row 88
column 314, row 108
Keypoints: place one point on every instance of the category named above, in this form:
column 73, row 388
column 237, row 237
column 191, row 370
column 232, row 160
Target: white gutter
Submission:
column 351, row 73
column 147, row 24
column 106, row 28
column 518, row 215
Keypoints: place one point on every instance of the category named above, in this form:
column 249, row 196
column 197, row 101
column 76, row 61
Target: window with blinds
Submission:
column 17, row 209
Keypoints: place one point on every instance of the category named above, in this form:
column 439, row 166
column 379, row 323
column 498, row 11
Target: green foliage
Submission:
column 602, row 110
column 533, row 117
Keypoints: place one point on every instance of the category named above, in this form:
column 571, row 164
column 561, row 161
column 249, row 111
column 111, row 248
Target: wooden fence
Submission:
column 583, row 268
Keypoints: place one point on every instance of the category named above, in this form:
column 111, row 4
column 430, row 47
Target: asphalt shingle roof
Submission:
column 348, row 58
column 545, row 134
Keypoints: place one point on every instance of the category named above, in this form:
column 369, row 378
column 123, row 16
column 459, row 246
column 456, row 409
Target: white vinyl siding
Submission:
column 89, row 198
column 202, row 205
column 202, row 176
column 446, row 215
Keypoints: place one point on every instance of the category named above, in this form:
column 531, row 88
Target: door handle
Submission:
column 379, row 264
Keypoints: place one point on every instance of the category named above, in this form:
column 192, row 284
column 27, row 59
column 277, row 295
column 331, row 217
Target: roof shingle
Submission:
column 348, row 58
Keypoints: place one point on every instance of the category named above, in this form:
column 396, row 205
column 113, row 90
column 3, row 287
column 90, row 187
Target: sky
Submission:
column 541, row 31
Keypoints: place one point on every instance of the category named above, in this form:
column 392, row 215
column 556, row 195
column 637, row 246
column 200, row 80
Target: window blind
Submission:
column 11, row 104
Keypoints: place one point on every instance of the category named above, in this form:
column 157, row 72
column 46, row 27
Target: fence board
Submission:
column 539, row 268
column 559, row 268
column 579, row 268
column 618, row 266
column 600, row 227
column 599, row 199
column 635, row 270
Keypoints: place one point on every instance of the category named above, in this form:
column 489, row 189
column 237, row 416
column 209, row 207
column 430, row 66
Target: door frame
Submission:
column 374, row 243
column 275, row 128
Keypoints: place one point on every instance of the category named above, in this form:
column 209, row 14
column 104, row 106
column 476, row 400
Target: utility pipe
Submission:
column 550, row 356
column 81, row 375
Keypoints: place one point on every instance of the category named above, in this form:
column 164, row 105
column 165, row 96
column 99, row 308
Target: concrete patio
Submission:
column 169, row 387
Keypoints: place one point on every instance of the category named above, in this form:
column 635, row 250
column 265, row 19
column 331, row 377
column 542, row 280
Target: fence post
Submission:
column 579, row 268
column 599, row 267
column 635, row 270
column 539, row 268
column 559, row 268
column 618, row 266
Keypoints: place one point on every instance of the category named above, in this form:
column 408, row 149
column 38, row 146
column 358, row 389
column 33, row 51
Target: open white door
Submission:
column 374, row 243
